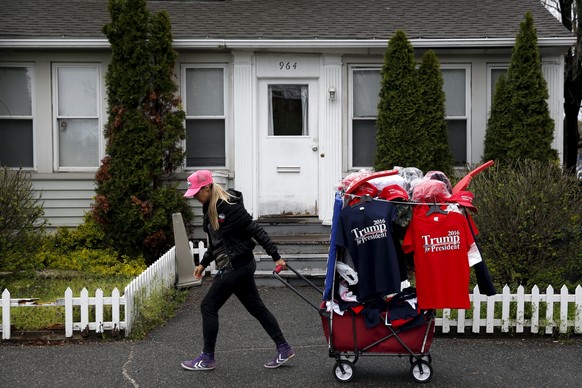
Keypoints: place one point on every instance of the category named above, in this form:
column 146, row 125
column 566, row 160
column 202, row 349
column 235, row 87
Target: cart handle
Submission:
column 279, row 268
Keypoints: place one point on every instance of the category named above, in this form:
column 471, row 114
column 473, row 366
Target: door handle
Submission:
column 314, row 148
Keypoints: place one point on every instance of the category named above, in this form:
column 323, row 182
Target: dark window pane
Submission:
column 288, row 110
column 364, row 139
column 16, row 143
column 205, row 142
column 457, row 137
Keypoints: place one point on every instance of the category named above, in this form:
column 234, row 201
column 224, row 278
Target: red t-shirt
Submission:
column 441, row 244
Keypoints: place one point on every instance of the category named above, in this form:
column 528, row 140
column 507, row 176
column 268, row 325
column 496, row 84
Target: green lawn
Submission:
column 48, row 286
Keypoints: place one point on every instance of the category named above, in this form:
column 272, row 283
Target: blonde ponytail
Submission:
column 218, row 193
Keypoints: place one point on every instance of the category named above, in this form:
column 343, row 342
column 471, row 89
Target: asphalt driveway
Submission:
column 243, row 347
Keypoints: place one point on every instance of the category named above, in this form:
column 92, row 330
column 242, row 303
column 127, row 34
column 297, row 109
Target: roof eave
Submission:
column 290, row 43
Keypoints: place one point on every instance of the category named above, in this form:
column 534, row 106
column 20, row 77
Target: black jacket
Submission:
column 237, row 231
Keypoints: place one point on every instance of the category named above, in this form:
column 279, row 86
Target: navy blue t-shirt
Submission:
column 366, row 232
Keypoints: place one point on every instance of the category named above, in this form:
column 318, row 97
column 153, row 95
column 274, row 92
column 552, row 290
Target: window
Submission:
column 365, row 85
column 456, row 88
column 78, row 135
column 16, row 118
column 204, row 89
column 288, row 110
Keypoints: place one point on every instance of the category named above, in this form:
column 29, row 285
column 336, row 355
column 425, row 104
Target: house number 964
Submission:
column 287, row 65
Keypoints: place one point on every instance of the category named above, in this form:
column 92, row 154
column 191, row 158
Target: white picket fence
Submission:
column 540, row 308
column 158, row 276
column 504, row 312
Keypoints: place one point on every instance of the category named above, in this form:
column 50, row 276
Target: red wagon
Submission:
column 350, row 337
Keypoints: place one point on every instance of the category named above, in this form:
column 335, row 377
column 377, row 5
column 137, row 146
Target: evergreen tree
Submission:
column 432, row 115
column 398, row 135
column 498, row 126
column 135, row 201
column 523, row 129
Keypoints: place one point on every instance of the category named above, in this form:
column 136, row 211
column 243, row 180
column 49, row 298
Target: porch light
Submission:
column 332, row 93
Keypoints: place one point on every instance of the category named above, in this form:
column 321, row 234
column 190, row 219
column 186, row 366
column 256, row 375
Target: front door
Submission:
column 288, row 147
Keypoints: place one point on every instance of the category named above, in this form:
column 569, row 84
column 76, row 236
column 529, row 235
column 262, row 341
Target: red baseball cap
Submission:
column 391, row 192
column 463, row 198
column 197, row 181
column 364, row 188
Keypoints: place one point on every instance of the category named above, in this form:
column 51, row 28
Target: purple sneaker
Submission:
column 284, row 353
column 204, row 361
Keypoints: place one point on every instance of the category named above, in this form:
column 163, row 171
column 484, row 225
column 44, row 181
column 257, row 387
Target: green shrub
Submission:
column 22, row 220
column 84, row 249
column 530, row 223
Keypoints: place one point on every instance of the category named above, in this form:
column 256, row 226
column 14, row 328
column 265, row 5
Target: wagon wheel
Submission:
column 426, row 357
column 421, row 371
column 343, row 371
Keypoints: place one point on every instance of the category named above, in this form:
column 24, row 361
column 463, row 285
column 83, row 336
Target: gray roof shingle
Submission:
column 288, row 19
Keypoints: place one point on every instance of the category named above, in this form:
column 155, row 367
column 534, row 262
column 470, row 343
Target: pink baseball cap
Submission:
column 197, row 181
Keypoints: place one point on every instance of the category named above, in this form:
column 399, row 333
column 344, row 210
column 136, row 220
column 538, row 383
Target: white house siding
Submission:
column 330, row 135
column 68, row 195
column 65, row 197
column 245, row 127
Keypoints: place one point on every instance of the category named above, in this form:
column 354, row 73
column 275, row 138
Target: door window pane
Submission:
column 205, row 91
column 205, row 139
column 454, row 88
column 77, row 120
column 288, row 107
column 366, row 92
column 16, row 120
column 364, row 143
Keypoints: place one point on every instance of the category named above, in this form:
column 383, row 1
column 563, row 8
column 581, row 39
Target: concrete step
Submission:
column 293, row 226
column 299, row 244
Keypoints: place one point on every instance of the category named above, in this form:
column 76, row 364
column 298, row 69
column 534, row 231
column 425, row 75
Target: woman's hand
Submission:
column 199, row 271
column 281, row 263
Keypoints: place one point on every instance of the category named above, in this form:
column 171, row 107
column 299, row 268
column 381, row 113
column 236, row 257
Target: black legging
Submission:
column 240, row 282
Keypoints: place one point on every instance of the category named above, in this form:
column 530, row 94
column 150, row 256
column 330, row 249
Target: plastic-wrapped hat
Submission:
column 441, row 177
column 411, row 176
column 430, row 190
column 388, row 180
